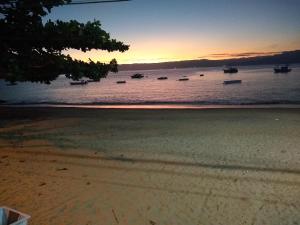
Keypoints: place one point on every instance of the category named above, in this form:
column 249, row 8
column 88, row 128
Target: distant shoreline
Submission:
column 285, row 57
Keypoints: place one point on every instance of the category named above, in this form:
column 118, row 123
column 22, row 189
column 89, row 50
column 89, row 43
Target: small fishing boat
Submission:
column 162, row 78
column 282, row 69
column 121, row 82
column 232, row 82
column 137, row 76
column 11, row 84
column 230, row 70
column 82, row 82
column 91, row 81
column 183, row 79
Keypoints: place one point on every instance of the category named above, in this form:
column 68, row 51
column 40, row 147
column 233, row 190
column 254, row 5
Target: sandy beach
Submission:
column 158, row 167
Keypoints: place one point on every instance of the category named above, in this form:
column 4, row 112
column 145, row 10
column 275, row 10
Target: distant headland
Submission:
column 286, row 57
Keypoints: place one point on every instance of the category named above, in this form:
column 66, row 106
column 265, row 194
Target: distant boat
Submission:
column 137, row 76
column 82, row 82
column 121, row 82
column 91, row 81
column 11, row 84
column 162, row 78
column 282, row 69
column 232, row 82
column 183, row 79
column 230, row 70
column 201, row 75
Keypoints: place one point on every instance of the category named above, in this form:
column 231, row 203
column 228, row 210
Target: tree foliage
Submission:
column 31, row 50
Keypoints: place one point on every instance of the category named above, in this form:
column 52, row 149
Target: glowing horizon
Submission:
column 161, row 31
column 124, row 58
column 167, row 49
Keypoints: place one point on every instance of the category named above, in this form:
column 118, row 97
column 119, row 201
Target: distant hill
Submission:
column 288, row 57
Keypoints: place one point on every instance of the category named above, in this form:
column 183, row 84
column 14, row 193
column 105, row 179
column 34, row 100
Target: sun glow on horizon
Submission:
column 189, row 30
column 128, row 58
column 167, row 48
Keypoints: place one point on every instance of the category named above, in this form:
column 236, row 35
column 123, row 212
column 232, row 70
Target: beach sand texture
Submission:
column 89, row 166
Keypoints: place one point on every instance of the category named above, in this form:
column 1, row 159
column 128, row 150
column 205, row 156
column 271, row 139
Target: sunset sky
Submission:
column 169, row 30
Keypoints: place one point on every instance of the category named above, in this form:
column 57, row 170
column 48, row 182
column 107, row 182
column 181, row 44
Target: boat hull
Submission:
column 232, row 70
column 282, row 70
column 79, row 83
column 183, row 79
column 162, row 78
column 137, row 76
column 232, row 82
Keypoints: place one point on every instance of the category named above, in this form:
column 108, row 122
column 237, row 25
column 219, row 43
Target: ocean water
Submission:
column 260, row 85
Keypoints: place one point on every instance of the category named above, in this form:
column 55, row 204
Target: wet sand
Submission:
column 112, row 166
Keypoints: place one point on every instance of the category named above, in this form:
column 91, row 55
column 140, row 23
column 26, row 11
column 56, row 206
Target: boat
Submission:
column 232, row 82
column 121, row 82
column 230, row 70
column 201, row 75
column 137, row 76
column 91, row 81
column 11, row 84
column 183, row 79
column 282, row 69
column 162, row 78
column 82, row 82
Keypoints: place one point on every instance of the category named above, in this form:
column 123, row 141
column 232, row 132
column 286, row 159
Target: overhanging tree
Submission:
column 31, row 50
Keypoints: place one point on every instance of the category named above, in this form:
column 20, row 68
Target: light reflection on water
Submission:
column 259, row 85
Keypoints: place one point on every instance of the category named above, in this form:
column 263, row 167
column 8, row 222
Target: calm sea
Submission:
column 260, row 85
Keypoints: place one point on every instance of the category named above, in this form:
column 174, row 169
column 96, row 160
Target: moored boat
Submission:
column 282, row 69
column 162, row 78
column 137, row 76
column 82, row 82
column 121, row 82
column 91, row 81
column 230, row 70
column 232, row 82
column 183, row 79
